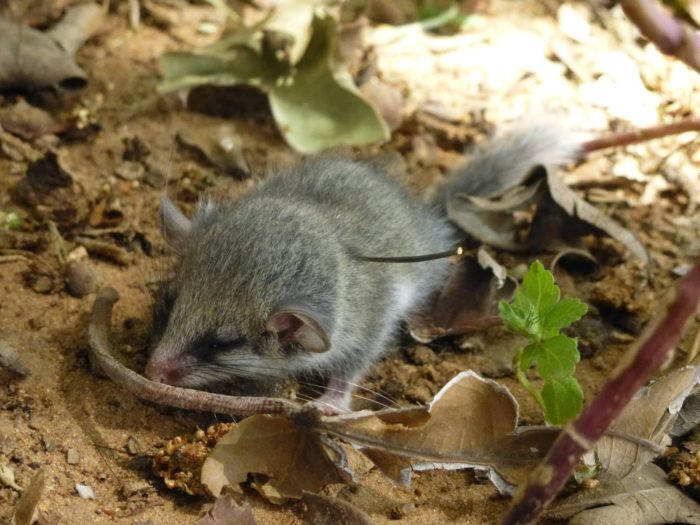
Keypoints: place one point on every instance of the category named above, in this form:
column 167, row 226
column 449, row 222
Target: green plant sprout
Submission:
column 537, row 313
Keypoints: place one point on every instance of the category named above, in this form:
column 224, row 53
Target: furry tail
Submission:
column 506, row 160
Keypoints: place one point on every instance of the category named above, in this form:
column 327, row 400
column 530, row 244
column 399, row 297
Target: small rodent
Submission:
column 271, row 285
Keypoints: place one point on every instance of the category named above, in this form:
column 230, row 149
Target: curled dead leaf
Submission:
column 500, row 213
column 645, row 498
column 472, row 424
column 649, row 416
column 467, row 302
column 290, row 457
column 31, row 59
column 26, row 508
column 221, row 144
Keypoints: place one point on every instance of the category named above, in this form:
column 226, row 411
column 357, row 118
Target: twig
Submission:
column 635, row 369
column 670, row 35
column 99, row 332
column 641, row 135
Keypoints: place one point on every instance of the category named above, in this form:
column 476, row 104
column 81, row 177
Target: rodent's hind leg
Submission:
column 337, row 397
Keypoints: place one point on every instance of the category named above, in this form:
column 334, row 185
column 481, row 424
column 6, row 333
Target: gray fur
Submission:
column 506, row 160
column 292, row 242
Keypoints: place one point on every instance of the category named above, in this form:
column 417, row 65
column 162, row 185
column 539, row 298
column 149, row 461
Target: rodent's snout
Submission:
column 167, row 371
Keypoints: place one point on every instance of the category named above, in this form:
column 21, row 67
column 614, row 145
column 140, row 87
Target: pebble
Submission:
column 72, row 456
column 85, row 491
column 80, row 279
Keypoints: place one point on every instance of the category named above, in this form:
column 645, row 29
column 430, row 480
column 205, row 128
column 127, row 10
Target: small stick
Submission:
column 626, row 138
column 635, row 369
column 99, row 336
column 669, row 35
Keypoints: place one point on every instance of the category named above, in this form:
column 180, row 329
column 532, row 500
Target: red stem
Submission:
column 635, row 369
column 626, row 138
column 668, row 34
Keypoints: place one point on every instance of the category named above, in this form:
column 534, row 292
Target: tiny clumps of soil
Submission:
column 79, row 210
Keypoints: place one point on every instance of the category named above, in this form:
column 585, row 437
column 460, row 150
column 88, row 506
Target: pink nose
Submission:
column 167, row 371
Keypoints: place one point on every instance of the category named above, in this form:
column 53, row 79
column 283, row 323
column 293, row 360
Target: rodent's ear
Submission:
column 293, row 325
column 174, row 224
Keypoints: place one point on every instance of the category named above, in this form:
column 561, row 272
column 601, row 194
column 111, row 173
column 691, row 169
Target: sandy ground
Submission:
column 517, row 58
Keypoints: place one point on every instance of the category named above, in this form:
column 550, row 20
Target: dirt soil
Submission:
column 514, row 59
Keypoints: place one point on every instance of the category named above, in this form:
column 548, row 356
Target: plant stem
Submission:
column 635, row 369
column 523, row 380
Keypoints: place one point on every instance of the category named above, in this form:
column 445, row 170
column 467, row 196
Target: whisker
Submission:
column 376, row 392
column 356, row 396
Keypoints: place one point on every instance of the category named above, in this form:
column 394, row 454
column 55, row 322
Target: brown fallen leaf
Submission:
column 290, row 458
column 648, row 417
column 689, row 416
column 26, row 508
column 221, row 144
column 644, row 498
column 31, row 59
column 323, row 510
column 472, row 424
column 492, row 214
column 227, row 511
column 456, row 311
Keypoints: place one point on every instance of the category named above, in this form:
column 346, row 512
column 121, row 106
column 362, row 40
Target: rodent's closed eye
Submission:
column 209, row 344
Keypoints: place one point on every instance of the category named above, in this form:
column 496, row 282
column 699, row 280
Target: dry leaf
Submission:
column 291, row 457
column 220, row 143
column 322, row 510
column 689, row 416
column 577, row 207
column 455, row 312
column 227, row 511
column 32, row 59
column 26, row 508
column 7, row 476
column 490, row 214
column 472, row 424
column 648, row 416
column 645, row 498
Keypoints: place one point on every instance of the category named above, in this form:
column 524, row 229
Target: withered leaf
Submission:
column 227, row 511
column 291, row 458
column 220, row 143
column 26, row 508
column 323, row 510
column 488, row 211
column 456, row 312
column 577, row 207
column 32, row 59
column 648, row 416
column 644, row 498
column 472, row 424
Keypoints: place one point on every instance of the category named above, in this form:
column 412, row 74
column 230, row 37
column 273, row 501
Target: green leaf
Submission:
column 313, row 98
column 562, row 315
column 512, row 318
column 530, row 355
column 240, row 65
column 535, row 297
column 538, row 288
column 322, row 108
column 557, row 357
column 563, row 399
